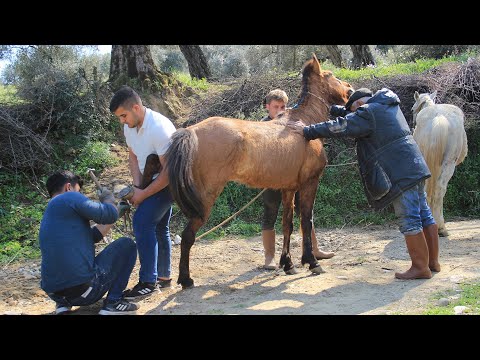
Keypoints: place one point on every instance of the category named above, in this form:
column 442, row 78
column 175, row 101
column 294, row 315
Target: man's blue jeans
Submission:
column 152, row 234
column 413, row 211
column 113, row 266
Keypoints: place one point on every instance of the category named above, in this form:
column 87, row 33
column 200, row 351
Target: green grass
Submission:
column 186, row 79
column 415, row 67
column 469, row 297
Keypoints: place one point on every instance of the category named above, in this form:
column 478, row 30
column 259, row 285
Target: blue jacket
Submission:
column 67, row 240
column 389, row 159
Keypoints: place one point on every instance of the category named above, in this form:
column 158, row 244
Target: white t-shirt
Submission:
column 152, row 138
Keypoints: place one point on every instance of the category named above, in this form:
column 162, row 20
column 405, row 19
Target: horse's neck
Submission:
column 428, row 102
column 310, row 112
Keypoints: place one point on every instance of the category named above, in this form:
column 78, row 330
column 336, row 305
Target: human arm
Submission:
column 101, row 213
column 134, row 167
column 356, row 124
column 155, row 186
column 99, row 231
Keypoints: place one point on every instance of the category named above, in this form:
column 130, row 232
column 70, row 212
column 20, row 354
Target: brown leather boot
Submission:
column 418, row 250
column 431, row 235
column 319, row 254
column 268, row 237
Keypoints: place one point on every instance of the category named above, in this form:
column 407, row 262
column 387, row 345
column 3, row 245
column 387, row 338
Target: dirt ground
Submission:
column 229, row 279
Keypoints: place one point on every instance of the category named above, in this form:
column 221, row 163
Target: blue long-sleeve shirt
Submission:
column 67, row 240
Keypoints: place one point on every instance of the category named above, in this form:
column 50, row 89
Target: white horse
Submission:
column 440, row 134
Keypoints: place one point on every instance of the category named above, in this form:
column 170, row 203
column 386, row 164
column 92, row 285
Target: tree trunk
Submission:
column 134, row 62
column 197, row 63
column 335, row 55
column 362, row 56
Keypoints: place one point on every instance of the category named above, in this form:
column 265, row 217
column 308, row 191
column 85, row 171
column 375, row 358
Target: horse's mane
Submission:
column 314, row 100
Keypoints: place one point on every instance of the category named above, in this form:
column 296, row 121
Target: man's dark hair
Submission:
column 125, row 97
column 57, row 180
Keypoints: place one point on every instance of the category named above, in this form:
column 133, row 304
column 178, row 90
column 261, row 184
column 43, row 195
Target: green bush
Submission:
column 21, row 210
column 463, row 193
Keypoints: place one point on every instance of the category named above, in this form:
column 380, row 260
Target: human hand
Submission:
column 105, row 196
column 296, row 126
column 338, row 110
column 137, row 197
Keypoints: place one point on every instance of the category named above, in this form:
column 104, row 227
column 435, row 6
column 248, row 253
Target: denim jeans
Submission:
column 413, row 211
column 151, row 228
column 113, row 266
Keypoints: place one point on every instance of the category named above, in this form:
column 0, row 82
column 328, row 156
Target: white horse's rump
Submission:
column 440, row 134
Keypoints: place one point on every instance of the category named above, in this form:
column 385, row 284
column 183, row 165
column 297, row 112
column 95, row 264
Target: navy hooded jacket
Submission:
column 389, row 159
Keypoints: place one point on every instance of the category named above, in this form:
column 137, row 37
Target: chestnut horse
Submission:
column 203, row 157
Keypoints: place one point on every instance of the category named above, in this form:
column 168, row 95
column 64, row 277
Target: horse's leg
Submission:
column 307, row 200
column 287, row 222
column 446, row 174
column 152, row 166
column 189, row 235
column 188, row 238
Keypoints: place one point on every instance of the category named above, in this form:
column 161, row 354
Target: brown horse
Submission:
column 203, row 157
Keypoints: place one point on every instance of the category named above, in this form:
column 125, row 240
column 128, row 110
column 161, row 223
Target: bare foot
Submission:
column 270, row 264
column 414, row 273
column 434, row 266
column 321, row 255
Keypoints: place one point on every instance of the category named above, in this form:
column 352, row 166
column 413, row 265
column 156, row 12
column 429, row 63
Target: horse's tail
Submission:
column 179, row 157
column 433, row 147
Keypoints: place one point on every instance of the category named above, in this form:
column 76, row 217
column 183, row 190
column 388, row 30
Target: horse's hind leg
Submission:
column 439, row 192
column 285, row 259
column 188, row 239
column 307, row 199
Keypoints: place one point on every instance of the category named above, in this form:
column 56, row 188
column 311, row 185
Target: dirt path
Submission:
column 228, row 279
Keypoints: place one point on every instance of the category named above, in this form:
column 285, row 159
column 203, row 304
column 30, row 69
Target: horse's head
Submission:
column 421, row 101
column 320, row 90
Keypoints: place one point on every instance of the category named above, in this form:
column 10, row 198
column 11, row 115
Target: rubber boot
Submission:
column 319, row 254
column 431, row 235
column 418, row 250
column 268, row 237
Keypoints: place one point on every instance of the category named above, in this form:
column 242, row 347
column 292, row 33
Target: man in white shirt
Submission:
column 147, row 132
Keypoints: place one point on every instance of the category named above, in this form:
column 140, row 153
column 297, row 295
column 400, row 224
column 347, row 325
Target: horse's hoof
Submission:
column 292, row 271
column 317, row 270
column 186, row 284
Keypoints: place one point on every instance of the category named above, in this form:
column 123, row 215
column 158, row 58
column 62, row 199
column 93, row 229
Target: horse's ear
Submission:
column 416, row 95
column 316, row 63
column 433, row 95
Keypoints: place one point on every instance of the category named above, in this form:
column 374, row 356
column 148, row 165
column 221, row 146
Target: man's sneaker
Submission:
column 121, row 307
column 140, row 290
column 164, row 283
column 62, row 309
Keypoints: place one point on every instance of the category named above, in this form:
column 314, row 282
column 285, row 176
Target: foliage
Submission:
column 62, row 93
column 196, row 84
column 173, row 62
column 8, row 95
column 94, row 154
column 21, row 210
column 413, row 67
column 463, row 194
column 468, row 296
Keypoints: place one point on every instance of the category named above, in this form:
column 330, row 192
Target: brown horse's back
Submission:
column 257, row 154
